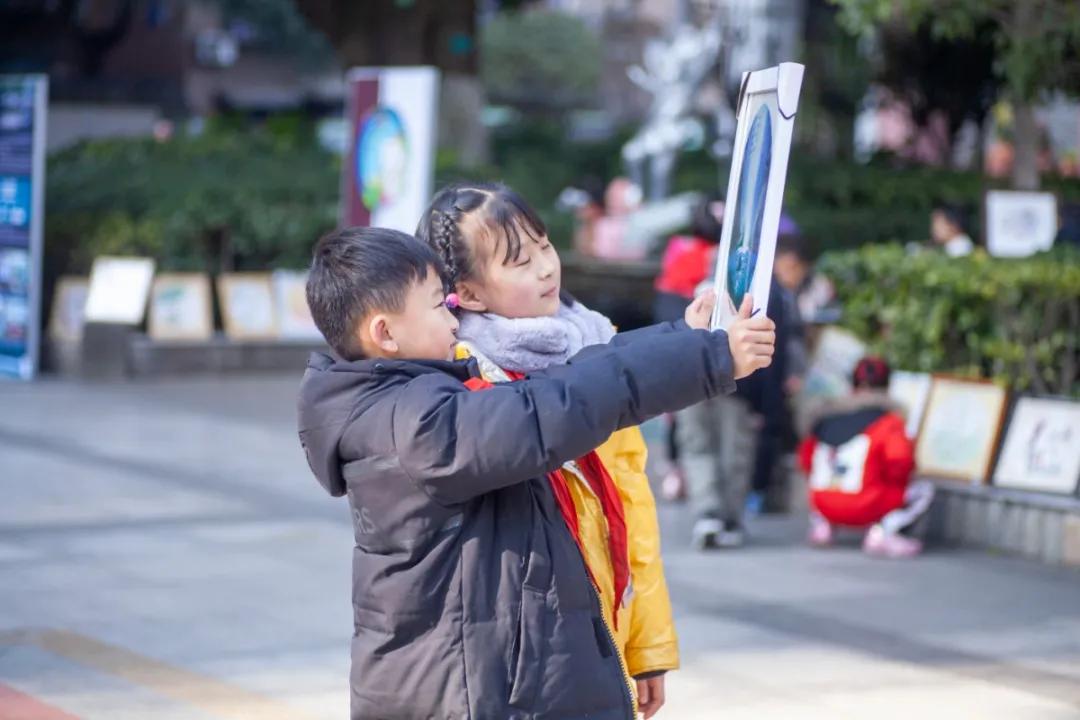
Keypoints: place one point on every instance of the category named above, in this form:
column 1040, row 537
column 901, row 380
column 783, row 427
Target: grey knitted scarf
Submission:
column 527, row 344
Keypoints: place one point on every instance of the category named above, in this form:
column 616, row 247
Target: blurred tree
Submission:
column 276, row 27
column 1037, row 45
column 441, row 33
column 832, row 92
column 932, row 74
column 35, row 34
column 398, row 32
column 540, row 61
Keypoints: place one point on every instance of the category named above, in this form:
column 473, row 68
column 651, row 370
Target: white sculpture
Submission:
column 673, row 73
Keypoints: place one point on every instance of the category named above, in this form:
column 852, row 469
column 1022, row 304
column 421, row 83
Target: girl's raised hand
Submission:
column 699, row 314
column 752, row 341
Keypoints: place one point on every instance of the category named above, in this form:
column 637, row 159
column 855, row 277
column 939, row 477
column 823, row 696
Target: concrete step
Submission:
column 1038, row 526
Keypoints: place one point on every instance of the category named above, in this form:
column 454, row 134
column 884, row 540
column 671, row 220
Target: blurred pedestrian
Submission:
column 687, row 261
column 948, row 230
column 859, row 462
column 794, row 269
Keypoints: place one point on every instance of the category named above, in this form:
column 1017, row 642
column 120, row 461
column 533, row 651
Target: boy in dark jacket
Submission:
column 470, row 597
column 859, row 462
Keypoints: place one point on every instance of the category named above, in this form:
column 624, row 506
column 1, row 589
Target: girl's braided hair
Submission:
column 501, row 212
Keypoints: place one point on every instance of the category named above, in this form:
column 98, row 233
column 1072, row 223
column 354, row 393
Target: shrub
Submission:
column 1016, row 321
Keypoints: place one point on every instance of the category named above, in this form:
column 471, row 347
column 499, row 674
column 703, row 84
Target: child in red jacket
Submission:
column 859, row 462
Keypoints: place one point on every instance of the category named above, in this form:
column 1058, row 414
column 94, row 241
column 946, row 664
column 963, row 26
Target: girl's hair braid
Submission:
column 503, row 213
column 445, row 236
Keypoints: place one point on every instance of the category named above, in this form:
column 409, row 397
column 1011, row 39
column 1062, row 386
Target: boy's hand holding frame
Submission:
column 751, row 336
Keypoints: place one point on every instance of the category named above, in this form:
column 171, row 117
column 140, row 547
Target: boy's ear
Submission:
column 468, row 298
column 380, row 333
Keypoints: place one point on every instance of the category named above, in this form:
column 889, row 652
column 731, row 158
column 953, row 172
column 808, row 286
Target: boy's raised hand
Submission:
column 752, row 340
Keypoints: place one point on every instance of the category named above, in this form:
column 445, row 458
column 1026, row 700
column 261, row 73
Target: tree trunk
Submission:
column 1025, row 173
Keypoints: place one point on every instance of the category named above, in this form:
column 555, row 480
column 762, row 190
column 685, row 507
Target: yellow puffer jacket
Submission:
column 646, row 633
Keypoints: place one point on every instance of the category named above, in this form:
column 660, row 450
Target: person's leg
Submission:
column 673, row 484
column 698, row 438
column 886, row 538
column 738, row 450
column 917, row 499
column 820, row 534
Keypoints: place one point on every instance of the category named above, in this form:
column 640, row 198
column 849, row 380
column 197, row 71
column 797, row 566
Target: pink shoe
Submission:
column 820, row 534
column 891, row 545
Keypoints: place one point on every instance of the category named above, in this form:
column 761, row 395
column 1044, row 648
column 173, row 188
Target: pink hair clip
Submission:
column 452, row 301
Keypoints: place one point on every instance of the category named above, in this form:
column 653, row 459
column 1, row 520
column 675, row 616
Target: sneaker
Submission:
column 731, row 536
column 820, row 534
column 891, row 545
column 707, row 533
column 673, row 486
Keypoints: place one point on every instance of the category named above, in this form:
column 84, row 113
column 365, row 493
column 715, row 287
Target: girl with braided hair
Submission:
column 503, row 277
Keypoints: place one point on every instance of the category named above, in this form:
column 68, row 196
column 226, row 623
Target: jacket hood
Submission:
column 841, row 419
column 333, row 392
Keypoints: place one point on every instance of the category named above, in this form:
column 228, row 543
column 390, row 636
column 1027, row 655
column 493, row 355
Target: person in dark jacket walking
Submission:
column 470, row 596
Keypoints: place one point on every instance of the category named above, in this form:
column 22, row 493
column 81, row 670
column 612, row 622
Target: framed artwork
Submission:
column 180, row 307
column 247, row 306
column 911, row 391
column 1042, row 447
column 290, row 302
column 69, row 308
column 832, row 362
column 765, row 118
column 1019, row 224
column 119, row 288
column 960, row 429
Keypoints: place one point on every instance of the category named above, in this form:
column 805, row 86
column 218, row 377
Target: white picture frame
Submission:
column 768, row 101
column 181, row 308
column 1019, row 224
column 911, row 390
column 119, row 289
column 1041, row 451
column 290, row 303
column 247, row 306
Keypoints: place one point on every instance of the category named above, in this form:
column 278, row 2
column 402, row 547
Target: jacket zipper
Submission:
column 627, row 680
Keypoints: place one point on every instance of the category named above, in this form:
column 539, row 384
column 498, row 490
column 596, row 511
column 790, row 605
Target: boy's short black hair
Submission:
column 360, row 270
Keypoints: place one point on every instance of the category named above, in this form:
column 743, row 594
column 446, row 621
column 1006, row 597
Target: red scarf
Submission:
column 596, row 475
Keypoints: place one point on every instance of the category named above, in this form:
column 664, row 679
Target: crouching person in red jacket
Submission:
column 859, row 462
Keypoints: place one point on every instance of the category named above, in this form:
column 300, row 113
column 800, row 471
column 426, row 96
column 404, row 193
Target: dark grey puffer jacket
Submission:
column 470, row 597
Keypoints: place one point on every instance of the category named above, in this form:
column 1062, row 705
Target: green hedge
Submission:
column 1016, row 321
column 227, row 200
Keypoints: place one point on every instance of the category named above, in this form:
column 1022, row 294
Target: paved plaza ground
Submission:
column 164, row 553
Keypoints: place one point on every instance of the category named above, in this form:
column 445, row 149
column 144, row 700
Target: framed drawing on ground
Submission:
column 290, row 302
column 911, row 391
column 765, row 117
column 247, row 306
column 119, row 288
column 180, row 307
column 960, row 429
column 1042, row 446
column 68, row 313
column 1019, row 224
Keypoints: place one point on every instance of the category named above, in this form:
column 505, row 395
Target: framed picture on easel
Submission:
column 768, row 100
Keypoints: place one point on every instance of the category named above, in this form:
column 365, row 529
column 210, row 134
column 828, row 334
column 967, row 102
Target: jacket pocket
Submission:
column 527, row 669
